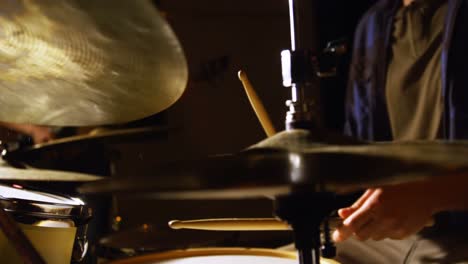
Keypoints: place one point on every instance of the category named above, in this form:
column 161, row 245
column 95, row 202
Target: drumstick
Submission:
column 18, row 239
column 231, row 224
column 257, row 105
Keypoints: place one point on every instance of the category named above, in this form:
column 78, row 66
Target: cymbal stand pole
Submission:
column 305, row 212
column 298, row 67
column 304, row 65
column 23, row 246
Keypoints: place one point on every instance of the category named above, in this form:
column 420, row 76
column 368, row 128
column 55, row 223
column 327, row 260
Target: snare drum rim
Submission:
column 32, row 211
column 198, row 252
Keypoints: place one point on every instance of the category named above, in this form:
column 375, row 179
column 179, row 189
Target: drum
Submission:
column 148, row 239
column 55, row 224
column 219, row 256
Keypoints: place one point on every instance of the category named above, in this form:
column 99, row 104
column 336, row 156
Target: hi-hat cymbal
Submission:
column 291, row 160
column 96, row 136
column 86, row 153
column 36, row 175
column 86, row 62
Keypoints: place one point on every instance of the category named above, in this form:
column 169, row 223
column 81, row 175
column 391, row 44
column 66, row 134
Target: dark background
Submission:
column 214, row 115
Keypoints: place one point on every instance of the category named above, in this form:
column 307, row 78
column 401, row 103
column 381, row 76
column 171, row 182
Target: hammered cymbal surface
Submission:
column 86, row 62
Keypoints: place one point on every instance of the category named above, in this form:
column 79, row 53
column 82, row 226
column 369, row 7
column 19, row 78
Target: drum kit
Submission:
column 87, row 63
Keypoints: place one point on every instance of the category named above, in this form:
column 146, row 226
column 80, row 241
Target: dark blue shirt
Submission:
column 366, row 109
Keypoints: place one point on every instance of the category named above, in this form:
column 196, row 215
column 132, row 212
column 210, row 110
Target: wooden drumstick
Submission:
column 257, row 105
column 18, row 239
column 231, row 224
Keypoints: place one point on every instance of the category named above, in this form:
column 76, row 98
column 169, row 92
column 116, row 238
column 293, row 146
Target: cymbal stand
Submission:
column 302, row 68
column 305, row 212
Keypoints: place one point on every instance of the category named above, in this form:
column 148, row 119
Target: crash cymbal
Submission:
column 85, row 62
column 289, row 160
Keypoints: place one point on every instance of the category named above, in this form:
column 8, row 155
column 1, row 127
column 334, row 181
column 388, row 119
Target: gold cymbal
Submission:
column 103, row 135
column 36, row 175
column 85, row 62
column 294, row 161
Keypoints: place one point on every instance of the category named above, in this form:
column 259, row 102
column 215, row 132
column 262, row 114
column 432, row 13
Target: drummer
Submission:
column 408, row 82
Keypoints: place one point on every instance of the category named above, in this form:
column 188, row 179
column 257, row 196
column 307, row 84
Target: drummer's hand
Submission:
column 389, row 212
column 40, row 134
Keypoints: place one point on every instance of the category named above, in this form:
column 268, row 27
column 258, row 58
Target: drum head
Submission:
column 219, row 256
column 148, row 239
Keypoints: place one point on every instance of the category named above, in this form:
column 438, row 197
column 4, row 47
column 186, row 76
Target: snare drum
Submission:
column 56, row 225
column 219, row 256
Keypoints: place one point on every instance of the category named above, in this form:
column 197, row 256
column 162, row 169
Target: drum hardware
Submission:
column 84, row 63
column 305, row 212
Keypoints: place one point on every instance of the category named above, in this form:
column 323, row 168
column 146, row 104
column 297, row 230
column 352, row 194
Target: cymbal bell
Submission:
column 85, row 62
column 291, row 161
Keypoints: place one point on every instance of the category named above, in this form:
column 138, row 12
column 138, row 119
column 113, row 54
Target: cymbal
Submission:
column 100, row 135
column 291, row 161
column 85, row 62
column 438, row 152
column 89, row 153
column 36, row 175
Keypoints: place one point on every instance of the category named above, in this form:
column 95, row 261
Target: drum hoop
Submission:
column 198, row 252
column 33, row 210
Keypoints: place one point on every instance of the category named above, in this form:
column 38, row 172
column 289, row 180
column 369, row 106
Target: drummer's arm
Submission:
column 402, row 210
column 40, row 134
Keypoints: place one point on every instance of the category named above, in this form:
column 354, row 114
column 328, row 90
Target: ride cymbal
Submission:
column 85, row 62
column 290, row 161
